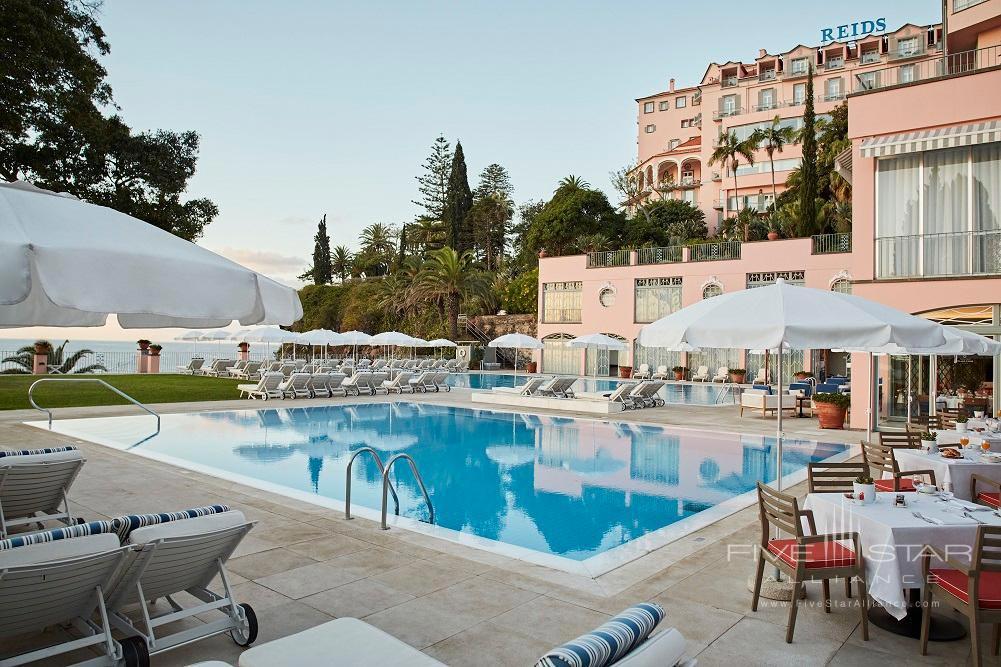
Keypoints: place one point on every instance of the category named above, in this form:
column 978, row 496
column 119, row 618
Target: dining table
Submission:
column 953, row 474
column 892, row 539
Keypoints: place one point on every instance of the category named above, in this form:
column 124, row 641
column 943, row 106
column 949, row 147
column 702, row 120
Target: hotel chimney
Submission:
column 670, row 87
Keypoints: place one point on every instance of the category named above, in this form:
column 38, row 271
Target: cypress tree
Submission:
column 322, row 266
column 458, row 202
column 808, row 171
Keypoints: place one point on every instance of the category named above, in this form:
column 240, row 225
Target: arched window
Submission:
column 842, row 286
column 711, row 290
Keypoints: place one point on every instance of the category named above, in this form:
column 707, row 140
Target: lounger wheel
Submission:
column 79, row 521
column 247, row 634
column 135, row 653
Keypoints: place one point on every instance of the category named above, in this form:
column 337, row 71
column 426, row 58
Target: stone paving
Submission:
column 303, row 565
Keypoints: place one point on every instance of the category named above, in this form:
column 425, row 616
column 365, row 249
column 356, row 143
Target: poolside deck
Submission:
column 303, row 565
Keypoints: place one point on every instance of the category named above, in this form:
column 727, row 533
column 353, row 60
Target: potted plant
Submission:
column 961, row 423
column 802, row 375
column 154, row 349
column 42, row 347
column 773, row 231
column 737, row 375
column 532, row 367
column 928, row 440
column 831, row 409
column 243, row 346
column 625, row 372
column 143, row 344
column 679, row 373
column 865, row 489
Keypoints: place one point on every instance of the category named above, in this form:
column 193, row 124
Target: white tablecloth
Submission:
column 951, row 437
column 955, row 472
column 892, row 537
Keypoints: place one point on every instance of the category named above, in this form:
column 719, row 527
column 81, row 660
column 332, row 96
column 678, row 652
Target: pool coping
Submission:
column 591, row 568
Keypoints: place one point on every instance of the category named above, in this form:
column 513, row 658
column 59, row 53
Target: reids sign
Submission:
column 850, row 31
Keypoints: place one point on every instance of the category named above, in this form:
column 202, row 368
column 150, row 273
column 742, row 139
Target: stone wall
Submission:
column 498, row 325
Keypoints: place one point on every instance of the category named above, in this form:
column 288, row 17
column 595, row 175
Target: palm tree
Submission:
column 429, row 233
column 450, row 277
column 25, row 360
column 378, row 239
column 729, row 150
column 773, row 138
column 340, row 262
column 574, row 182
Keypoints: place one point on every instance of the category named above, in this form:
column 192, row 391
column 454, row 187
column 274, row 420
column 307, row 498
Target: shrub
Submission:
column 837, row 399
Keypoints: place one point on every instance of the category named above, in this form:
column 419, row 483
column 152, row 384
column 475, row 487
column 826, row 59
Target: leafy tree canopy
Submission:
column 575, row 210
column 664, row 223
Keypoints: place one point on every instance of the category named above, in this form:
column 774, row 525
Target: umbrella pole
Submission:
column 908, row 389
column 873, row 391
column 933, row 385
column 778, row 436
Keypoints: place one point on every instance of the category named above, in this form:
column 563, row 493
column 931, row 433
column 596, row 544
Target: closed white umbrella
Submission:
column 518, row 342
column 64, row 262
column 599, row 341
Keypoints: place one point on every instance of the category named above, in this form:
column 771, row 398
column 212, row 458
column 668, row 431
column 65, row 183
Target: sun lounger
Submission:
column 273, row 367
column 452, row 365
column 267, row 387
column 440, row 381
column 287, row 368
column 235, row 368
column 642, row 373
column 334, row 381
column 376, row 381
column 530, row 388
column 722, row 374
column 251, row 371
column 410, row 364
column 558, row 387
column 350, row 641
column 299, row 364
column 317, row 385
column 350, row 384
column 461, row 367
column 396, row 363
column 296, row 386
column 34, row 484
column 701, row 375
column 217, row 368
column 661, row 373
column 57, row 578
column 180, row 552
column 619, row 395
column 192, row 366
column 644, row 395
column 761, row 377
column 424, row 382
column 399, row 384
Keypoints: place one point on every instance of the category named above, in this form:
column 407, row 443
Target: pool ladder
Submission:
column 726, row 388
column 387, row 486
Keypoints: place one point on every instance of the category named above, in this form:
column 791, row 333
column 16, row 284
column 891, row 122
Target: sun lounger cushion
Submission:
column 609, row 642
column 4, row 453
column 124, row 525
column 46, row 552
column 78, row 530
column 660, row 650
column 196, row 526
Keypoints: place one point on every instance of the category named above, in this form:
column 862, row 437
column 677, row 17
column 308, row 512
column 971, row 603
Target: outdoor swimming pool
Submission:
column 686, row 394
column 578, row 494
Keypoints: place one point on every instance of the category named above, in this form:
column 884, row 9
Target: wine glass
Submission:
column 964, row 441
column 985, row 445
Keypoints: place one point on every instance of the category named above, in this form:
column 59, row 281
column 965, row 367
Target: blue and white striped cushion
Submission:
column 608, row 643
column 30, row 452
column 79, row 530
column 124, row 525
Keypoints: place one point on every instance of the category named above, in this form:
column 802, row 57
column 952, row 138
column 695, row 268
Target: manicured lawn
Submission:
column 144, row 388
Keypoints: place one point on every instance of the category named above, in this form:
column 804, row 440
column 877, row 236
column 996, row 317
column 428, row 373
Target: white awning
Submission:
column 928, row 140
column 843, row 164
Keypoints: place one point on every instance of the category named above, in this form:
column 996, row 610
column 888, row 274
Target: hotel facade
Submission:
column 924, row 110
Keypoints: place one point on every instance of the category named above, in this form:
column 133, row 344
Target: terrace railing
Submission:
column 606, row 258
column 954, row 64
column 939, row 255
column 829, row 244
column 710, row 252
column 667, row 255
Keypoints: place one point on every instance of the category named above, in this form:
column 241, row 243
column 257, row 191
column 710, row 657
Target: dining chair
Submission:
column 906, row 439
column 804, row 557
column 991, row 497
column 973, row 590
column 928, row 421
column 834, row 477
column 949, row 416
column 881, row 459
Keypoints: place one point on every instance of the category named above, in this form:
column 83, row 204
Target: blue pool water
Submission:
column 688, row 394
column 568, row 487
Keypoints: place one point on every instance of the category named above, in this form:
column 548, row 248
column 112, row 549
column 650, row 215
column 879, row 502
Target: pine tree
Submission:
column 808, row 170
column 322, row 272
column 457, row 203
column 433, row 183
column 494, row 181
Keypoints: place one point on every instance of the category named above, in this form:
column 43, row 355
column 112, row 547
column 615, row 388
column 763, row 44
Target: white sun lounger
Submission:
column 334, row 381
column 423, row 382
column 644, row 395
column 559, row 387
column 661, row 373
column 400, row 384
column 620, row 395
column 530, row 388
column 251, row 371
column 376, row 381
column 34, row 484
column 219, row 367
column 267, row 387
column 60, row 582
column 439, row 380
column 192, row 366
column 297, row 386
column 287, row 368
column 722, row 373
column 701, row 375
column 351, row 384
column 317, row 385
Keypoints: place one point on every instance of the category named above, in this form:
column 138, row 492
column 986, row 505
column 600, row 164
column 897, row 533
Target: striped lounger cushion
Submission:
column 79, row 530
column 608, row 643
column 31, row 452
column 124, row 525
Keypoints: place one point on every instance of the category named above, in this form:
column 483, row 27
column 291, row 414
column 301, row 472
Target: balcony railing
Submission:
column 561, row 315
column 869, row 57
column 829, row 244
column 939, row 255
column 606, row 258
column 719, row 204
column 960, row 5
column 903, row 54
column 669, row 255
column 964, row 62
column 767, row 75
column 710, row 252
column 726, row 113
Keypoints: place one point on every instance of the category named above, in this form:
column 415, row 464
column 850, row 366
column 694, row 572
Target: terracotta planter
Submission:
column 831, row 416
column 738, row 378
column 773, row 236
column 143, row 345
column 801, row 376
column 154, row 353
column 625, row 372
column 679, row 375
column 532, row 367
column 41, row 349
column 244, row 347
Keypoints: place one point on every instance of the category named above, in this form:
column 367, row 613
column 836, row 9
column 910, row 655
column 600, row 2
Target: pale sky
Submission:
column 313, row 107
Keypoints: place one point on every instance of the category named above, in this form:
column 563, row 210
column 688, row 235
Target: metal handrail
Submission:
column 347, row 482
column 386, row 486
column 31, row 398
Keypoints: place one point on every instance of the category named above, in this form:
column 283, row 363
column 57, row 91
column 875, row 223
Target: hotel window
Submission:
column 835, row 62
column 689, row 196
column 937, row 212
column 799, row 93
column 870, row 56
column 766, row 99
column 673, row 144
column 907, row 74
column 842, row 286
column 686, row 122
column 711, row 290
column 558, row 357
column 868, row 80
column 650, row 129
column 907, row 46
column 680, row 102
column 561, row 302
column 664, row 105
column 834, row 88
column 799, row 65
column 728, row 105
column 648, row 107
column 763, row 278
column 657, row 297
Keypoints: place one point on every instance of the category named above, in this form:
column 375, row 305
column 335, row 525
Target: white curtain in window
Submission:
column 897, row 215
column 653, row 303
column 559, row 359
column 987, row 208
column 946, row 207
column 714, row 358
column 655, row 357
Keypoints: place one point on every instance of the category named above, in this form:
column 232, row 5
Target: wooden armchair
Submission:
column 834, row 477
column 805, row 558
column 991, row 497
column 880, row 458
column 906, row 439
column 973, row 590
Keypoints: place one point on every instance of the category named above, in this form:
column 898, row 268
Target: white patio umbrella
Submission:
column 192, row 335
column 322, row 337
column 518, row 342
column 270, row 335
column 599, row 341
column 64, row 262
column 354, row 339
column 415, row 343
column 216, row 335
column 440, row 343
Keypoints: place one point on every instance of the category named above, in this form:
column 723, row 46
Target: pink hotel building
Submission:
column 924, row 106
